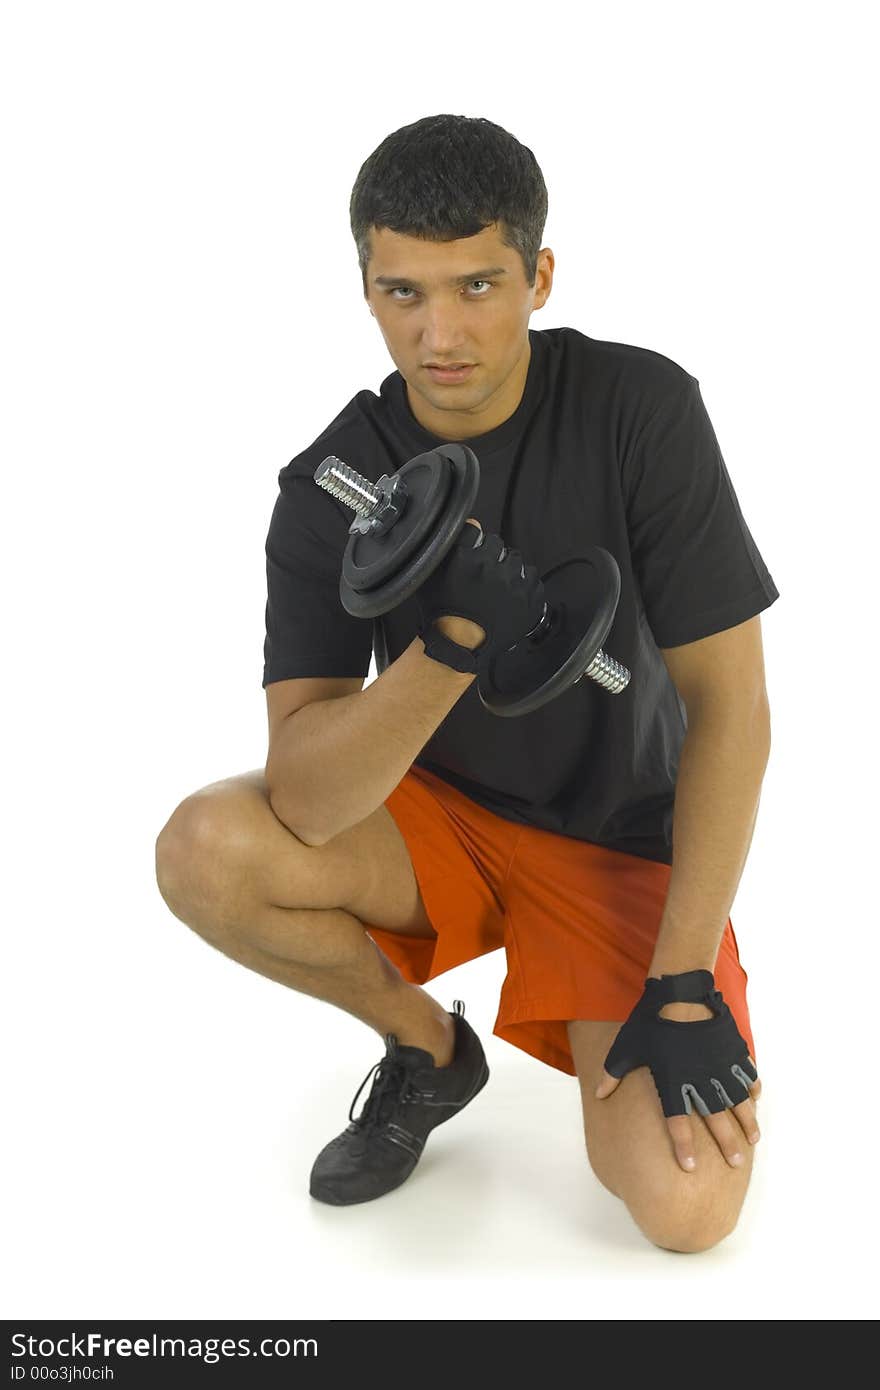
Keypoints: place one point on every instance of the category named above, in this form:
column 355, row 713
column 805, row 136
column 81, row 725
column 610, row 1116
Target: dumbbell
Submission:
column 407, row 523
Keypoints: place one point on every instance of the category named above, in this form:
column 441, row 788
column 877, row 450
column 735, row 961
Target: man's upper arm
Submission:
column 722, row 671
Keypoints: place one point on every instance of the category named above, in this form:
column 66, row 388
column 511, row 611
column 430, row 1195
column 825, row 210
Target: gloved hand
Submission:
column 702, row 1063
column 484, row 582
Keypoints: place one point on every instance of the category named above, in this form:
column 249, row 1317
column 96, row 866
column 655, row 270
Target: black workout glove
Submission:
column 479, row 579
column 703, row 1064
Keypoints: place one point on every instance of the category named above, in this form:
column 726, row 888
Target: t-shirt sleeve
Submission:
column 308, row 632
column 693, row 556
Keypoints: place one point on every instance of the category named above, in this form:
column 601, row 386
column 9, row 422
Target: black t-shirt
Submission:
column 610, row 445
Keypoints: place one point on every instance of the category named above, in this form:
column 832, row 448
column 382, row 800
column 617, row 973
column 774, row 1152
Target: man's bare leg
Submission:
column 231, row 870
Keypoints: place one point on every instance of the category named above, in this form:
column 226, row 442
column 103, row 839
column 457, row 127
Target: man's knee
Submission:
column 205, row 851
column 688, row 1212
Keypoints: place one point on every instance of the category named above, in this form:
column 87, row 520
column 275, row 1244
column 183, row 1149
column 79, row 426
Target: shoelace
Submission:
column 392, row 1073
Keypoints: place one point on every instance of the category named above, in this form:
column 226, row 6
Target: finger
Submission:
column 745, row 1113
column 682, row 1141
column 727, row 1136
column 721, row 1127
column 607, row 1085
column 742, row 1081
column 743, row 1110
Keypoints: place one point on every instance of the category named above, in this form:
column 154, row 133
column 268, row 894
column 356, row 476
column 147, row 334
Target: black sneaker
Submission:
column 410, row 1096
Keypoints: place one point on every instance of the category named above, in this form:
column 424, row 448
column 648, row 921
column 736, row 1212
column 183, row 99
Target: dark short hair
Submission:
column 446, row 177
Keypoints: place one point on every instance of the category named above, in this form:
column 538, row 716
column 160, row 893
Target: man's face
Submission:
column 456, row 301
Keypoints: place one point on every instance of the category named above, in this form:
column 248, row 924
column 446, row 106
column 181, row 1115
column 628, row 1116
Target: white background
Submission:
column 182, row 314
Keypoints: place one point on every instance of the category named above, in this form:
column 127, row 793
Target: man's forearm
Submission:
column 333, row 762
column 722, row 766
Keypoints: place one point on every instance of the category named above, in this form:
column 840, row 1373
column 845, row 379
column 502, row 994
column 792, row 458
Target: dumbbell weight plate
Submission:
column 380, row 570
column 582, row 595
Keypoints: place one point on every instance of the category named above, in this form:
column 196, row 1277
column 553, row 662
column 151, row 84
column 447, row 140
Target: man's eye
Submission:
column 408, row 291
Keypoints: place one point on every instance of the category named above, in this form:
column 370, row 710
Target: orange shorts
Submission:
column 578, row 922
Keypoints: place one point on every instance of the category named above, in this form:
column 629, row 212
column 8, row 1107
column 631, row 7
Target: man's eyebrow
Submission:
column 457, row 280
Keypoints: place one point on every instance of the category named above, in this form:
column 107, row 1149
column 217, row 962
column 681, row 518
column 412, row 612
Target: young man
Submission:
column 401, row 829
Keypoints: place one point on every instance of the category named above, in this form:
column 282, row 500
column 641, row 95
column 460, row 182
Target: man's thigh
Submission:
column 630, row 1150
column 229, row 830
